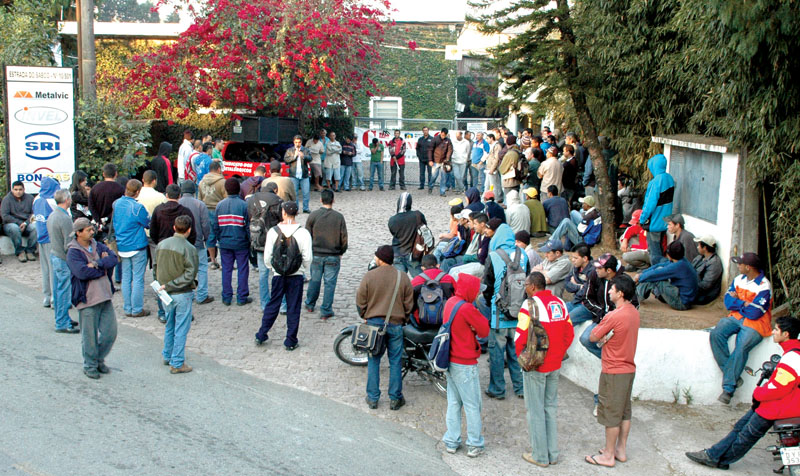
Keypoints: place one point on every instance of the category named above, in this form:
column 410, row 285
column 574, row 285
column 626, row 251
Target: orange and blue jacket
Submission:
column 780, row 397
column 752, row 304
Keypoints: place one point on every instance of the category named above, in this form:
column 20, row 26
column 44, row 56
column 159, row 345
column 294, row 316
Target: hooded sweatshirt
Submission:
column 90, row 285
column 496, row 269
column 43, row 206
column 474, row 200
column 403, row 226
column 659, row 195
column 468, row 324
column 519, row 217
column 163, row 220
column 211, row 190
column 162, row 167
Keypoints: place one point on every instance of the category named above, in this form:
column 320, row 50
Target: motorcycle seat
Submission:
column 786, row 424
column 419, row 336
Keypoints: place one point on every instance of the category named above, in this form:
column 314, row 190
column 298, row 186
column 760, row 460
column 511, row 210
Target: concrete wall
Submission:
column 670, row 360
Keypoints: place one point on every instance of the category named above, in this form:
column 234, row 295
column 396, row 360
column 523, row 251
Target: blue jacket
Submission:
column 130, row 219
column 200, row 164
column 659, row 195
column 680, row 274
column 232, row 224
column 478, row 150
column 82, row 274
column 43, row 206
column 503, row 239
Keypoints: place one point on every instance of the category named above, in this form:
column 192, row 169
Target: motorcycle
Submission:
column 416, row 344
column 787, row 430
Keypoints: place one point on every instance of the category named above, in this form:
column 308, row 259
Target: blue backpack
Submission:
column 439, row 355
column 454, row 247
column 430, row 302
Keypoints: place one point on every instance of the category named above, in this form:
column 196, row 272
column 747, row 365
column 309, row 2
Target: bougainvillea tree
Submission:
column 288, row 57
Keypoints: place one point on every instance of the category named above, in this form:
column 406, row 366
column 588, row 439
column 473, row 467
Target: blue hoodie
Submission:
column 130, row 220
column 680, row 274
column 43, row 206
column 659, row 195
column 503, row 239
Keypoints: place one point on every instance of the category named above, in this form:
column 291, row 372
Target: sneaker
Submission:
column 430, row 191
column 162, row 319
column 496, row 397
column 306, row 211
column 21, row 257
column 381, row 189
column 213, row 265
column 474, row 451
column 227, row 303
column 442, row 194
column 703, row 458
column 31, row 256
column 92, row 373
column 260, row 342
column 725, row 397
column 103, row 368
column 372, row 404
column 207, row 300
column 69, row 330
column 529, row 458
column 46, row 302
column 397, row 404
column 291, row 347
column 451, row 450
column 183, row 369
column 142, row 313
column 402, row 187
column 391, row 187
column 245, row 302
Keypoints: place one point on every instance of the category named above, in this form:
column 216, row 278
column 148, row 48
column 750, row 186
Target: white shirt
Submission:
column 461, row 151
column 183, row 153
column 303, row 238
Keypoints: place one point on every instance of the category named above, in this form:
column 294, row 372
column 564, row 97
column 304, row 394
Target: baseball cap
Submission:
column 465, row 213
column 80, row 224
column 488, row 194
column 676, row 218
column 531, row 192
column 707, row 239
column 635, row 216
column 587, row 200
column 750, row 259
column 455, row 201
column 552, row 245
column 607, row 261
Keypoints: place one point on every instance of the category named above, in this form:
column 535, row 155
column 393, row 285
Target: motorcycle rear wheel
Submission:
column 439, row 381
column 794, row 470
column 344, row 349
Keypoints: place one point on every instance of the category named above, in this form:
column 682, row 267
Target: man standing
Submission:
column 17, row 214
column 551, row 171
column 232, row 227
column 460, row 160
column 778, row 399
column 333, row 162
column 184, row 152
column 264, row 210
column 376, row 163
column 494, row 181
column 397, row 154
column 374, row 302
column 92, row 264
column 673, row 281
column 540, row 385
column 43, row 206
column 176, row 269
column 130, row 221
column 59, row 228
column 149, row 197
column 201, row 162
column 348, row 152
column 618, row 334
column 252, row 184
column 288, row 253
column 202, row 228
column 403, row 226
column 439, row 155
column 329, row 242
column 298, row 159
column 477, row 161
column 749, row 300
column 102, row 198
column 424, row 144
column 708, row 267
column 285, row 185
column 508, row 165
column 463, row 382
column 657, row 205
column 211, row 190
column 675, row 224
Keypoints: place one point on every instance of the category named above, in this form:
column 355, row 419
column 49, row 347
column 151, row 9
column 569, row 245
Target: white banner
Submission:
column 41, row 132
column 364, row 139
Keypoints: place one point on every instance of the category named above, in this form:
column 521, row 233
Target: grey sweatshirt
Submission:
column 59, row 227
column 16, row 211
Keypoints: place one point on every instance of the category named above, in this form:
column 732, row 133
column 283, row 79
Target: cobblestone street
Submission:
column 661, row 432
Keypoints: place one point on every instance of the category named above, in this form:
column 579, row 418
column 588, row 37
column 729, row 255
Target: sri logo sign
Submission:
column 41, row 132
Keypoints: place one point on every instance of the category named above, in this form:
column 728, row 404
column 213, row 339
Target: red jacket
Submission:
column 553, row 316
column 397, row 151
column 468, row 323
column 780, row 397
column 447, row 282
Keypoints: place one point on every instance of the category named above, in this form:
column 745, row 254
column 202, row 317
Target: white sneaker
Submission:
column 474, row 451
column 450, row 450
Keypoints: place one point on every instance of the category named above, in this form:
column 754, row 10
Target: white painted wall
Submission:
column 667, row 360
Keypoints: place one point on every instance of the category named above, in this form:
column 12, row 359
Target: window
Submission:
column 697, row 180
column 386, row 107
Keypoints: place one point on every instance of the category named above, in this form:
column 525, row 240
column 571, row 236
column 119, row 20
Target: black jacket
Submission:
column 403, row 227
column 163, row 220
column 424, row 145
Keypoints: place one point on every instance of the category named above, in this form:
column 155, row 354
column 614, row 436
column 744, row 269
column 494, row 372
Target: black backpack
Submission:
column 521, row 168
column 267, row 214
column 286, row 255
column 430, row 303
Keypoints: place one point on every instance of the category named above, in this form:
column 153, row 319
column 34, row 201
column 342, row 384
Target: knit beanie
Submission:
column 385, row 254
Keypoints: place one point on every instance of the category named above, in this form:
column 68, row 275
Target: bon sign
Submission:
column 40, row 107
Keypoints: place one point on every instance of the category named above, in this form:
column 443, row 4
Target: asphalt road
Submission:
column 142, row 420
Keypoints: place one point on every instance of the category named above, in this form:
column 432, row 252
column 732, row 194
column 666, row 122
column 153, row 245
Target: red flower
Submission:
column 412, row 45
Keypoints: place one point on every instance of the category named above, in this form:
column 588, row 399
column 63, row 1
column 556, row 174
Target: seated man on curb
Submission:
column 584, row 226
column 749, row 300
column 430, row 273
column 777, row 400
column 581, row 258
column 555, row 207
column 673, row 281
column 633, row 245
column 523, row 240
column 474, row 260
column 555, row 267
column 676, row 232
column 709, row 270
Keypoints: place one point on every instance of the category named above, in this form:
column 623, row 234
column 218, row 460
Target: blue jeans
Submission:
column 745, row 434
column 458, row 175
column 732, row 364
column 568, row 227
column 98, row 333
column 62, row 291
column 12, row 231
column 669, row 292
column 291, row 289
column 541, row 403
column 133, row 282
column 471, row 176
column 358, row 175
column 346, row 172
column 502, row 351
column 579, row 314
column 201, row 293
column 463, row 390
column 305, row 185
column 424, row 167
column 326, row 267
column 394, row 348
column 437, row 172
column 373, row 168
column 654, row 247
column 403, row 263
column 592, row 347
column 227, row 258
column 179, row 320
column 211, row 241
column 264, row 275
column 450, row 179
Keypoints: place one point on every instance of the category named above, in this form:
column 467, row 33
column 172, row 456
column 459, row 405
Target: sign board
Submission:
column 40, row 125
column 453, row 52
column 477, row 126
column 364, row 139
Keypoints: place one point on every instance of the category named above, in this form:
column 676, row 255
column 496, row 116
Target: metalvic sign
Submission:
column 40, row 114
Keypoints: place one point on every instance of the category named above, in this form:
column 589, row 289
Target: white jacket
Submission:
column 460, row 151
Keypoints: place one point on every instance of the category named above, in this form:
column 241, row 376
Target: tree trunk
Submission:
column 570, row 73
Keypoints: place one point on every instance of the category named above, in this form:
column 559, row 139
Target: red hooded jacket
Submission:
column 553, row 316
column 780, row 397
column 468, row 323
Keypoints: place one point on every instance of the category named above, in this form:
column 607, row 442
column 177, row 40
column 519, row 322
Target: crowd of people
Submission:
column 494, row 285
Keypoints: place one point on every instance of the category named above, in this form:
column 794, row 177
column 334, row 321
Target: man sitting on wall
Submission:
column 673, row 281
column 709, row 270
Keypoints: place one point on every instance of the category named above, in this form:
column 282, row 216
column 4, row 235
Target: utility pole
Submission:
column 87, row 59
